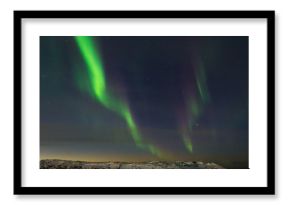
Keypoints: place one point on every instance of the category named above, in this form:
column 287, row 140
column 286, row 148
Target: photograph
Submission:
column 144, row 102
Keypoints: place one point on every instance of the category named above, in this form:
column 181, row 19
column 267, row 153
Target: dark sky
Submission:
column 187, row 95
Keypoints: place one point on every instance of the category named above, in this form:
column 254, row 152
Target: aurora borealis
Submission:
column 97, row 83
column 143, row 98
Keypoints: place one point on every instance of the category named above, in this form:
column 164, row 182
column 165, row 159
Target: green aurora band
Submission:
column 195, row 106
column 186, row 140
column 201, row 83
column 100, row 91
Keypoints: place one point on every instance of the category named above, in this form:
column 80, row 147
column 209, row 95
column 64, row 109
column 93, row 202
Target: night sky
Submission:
column 142, row 98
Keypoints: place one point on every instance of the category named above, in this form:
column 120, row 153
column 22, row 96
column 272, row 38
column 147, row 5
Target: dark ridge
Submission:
column 69, row 164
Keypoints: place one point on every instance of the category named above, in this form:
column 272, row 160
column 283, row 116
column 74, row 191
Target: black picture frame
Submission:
column 269, row 189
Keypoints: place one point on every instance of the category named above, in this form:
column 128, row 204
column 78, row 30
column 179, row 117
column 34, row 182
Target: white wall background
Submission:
column 282, row 98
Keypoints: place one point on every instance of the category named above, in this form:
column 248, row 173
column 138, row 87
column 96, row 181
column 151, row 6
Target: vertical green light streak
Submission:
column 201, row 83
column 187, row 142
column 195, row 106
column 97, row 79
